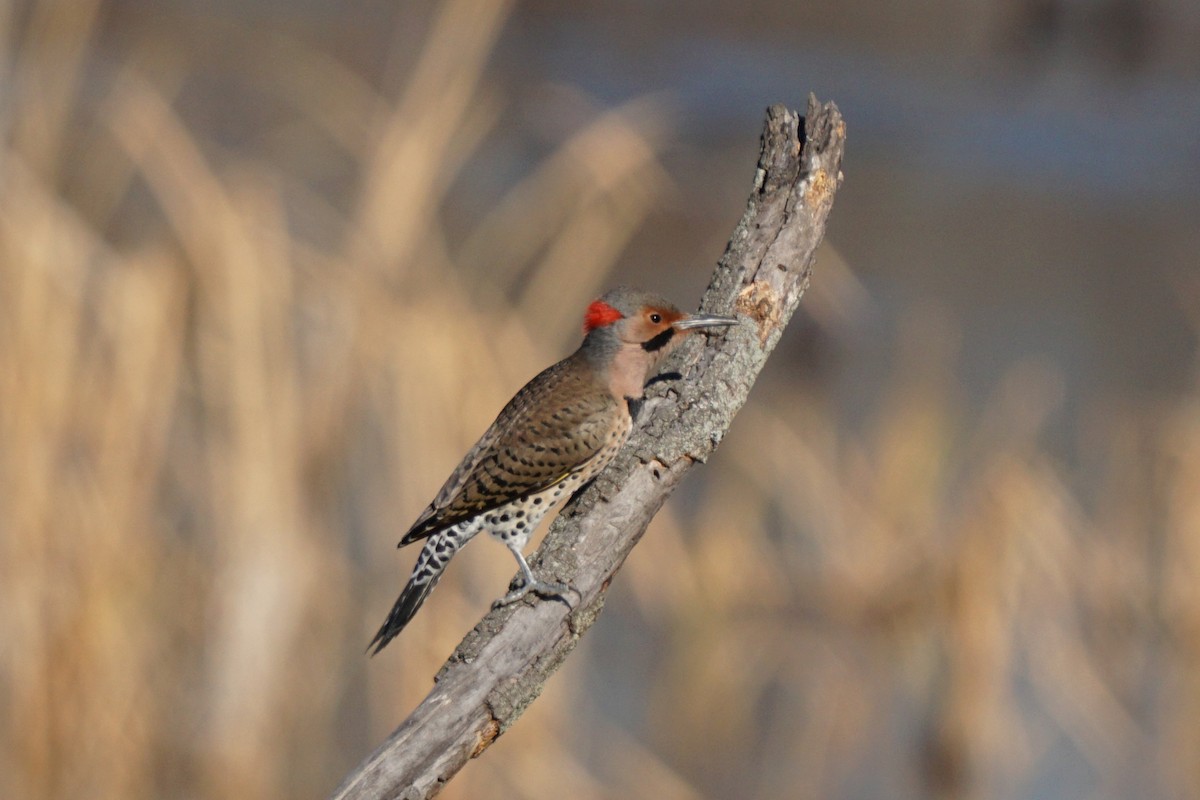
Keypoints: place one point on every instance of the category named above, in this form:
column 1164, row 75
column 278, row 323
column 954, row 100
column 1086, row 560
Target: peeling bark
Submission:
column 502, row 665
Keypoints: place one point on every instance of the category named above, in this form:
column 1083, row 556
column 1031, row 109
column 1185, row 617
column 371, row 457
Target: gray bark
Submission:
column 501, row 666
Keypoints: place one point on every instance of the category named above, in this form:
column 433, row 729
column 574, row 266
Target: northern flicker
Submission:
column 561, row 429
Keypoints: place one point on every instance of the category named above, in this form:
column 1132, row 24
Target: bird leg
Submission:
column 532, row 584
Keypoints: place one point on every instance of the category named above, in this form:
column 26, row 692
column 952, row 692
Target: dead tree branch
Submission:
column 501, row 666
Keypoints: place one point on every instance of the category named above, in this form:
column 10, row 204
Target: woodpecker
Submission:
column 559, row 431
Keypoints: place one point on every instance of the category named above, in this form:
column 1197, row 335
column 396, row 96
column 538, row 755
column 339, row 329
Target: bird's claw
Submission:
column 540, row 588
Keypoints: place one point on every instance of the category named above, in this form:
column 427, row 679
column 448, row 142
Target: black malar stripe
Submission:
column 658, row 342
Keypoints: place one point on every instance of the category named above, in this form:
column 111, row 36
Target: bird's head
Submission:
column 629, row 331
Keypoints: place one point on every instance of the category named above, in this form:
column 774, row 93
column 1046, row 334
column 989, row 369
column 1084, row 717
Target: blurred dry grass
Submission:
column 212, row 433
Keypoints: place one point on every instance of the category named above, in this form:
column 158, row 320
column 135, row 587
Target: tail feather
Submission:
column 402, row 612
column 435, row 555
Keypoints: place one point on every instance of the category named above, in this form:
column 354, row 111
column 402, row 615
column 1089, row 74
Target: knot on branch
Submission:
column 759, row 302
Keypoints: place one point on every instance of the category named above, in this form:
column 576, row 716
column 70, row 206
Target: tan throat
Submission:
column 628, row 371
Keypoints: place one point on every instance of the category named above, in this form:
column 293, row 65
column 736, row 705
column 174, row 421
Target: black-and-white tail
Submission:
column 431, row 563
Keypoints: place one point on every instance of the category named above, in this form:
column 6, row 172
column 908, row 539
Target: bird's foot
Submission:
column 541, row 588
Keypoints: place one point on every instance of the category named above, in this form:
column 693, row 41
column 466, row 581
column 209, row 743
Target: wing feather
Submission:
column 550, row 429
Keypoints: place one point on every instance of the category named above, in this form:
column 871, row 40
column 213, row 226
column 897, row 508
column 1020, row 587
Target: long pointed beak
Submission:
column 703, row 321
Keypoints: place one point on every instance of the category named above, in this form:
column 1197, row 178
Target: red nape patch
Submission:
column 598, row 315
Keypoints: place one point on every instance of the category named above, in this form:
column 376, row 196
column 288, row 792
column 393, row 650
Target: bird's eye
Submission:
column 656, row 318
